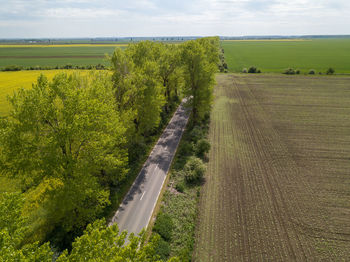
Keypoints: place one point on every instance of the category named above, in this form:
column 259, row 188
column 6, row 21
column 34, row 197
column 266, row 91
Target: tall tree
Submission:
column 64, row 141
column 13, row 227
column 199, row 74
column 98, row 243
column 137, row 86
column 169, row 71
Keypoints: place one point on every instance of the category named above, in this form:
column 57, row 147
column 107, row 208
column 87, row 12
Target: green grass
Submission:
column 54, row 56
column 275, row 56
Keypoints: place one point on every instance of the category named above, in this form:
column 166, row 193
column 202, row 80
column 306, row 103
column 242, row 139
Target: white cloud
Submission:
column 73, row 18
column 78, row 13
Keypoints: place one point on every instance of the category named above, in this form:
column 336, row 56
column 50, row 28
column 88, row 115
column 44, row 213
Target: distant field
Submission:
column 55, row 55
column 275, row 56
column 277, row 186
column 10, row 81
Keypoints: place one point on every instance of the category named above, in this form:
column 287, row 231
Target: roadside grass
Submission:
column 180, row 202
column 277, row 56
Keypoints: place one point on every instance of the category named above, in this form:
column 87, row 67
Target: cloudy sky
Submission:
column 95, row 18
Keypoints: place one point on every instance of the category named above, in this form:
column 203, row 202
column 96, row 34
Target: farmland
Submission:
column 276, row 56
column 277, row 186
column 55, row 55
column 10, row 81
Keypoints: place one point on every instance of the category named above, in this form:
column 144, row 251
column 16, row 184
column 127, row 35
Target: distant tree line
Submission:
column 70, row 141
column 67, row 66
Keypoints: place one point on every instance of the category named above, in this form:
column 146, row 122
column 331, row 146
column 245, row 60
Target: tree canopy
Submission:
column 70, row 140
column 64, row 141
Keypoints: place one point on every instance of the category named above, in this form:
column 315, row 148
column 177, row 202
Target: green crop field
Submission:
column 276, row 56
column 55, row 55
column 277, row 185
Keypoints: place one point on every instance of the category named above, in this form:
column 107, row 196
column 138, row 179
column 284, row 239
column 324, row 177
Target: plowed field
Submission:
column 278, row 180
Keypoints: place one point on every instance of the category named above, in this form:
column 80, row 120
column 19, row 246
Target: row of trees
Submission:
column 69, row 140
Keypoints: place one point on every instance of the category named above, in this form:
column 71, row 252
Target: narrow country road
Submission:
column 137, row 207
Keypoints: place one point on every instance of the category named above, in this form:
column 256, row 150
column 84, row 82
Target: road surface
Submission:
column 137, row 207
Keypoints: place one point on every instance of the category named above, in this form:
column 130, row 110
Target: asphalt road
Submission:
column 137, row 207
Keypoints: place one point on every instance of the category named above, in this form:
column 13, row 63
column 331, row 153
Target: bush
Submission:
column 163, row 226
column 180, row 187
column 197, row 133
column 202, row 147
column 194, row 170
column 12, row 68
column 244, row 70
column 312, row 72
column 68, row 66
column 330, row 71
column 297, row 72
column 252, row 70
column 162, row 249
column 186, row 149
column 289, row 71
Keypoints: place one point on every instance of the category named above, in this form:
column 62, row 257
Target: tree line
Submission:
column 69, row 141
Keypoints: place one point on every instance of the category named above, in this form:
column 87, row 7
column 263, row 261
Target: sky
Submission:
column 118, row 18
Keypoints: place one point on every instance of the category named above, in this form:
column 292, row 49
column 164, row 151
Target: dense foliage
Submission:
column 70, row 141
column 98, row 243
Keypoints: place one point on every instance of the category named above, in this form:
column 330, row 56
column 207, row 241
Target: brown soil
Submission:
column 278, row 180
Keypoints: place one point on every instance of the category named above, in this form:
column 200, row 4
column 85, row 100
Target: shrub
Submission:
column 252, row 70
column 180, row 187
column 196, row 133
column 202, row 147
column 297, row 72
column 312, row 72
column 194, row 170
column 186, row 148
column 289, row 71
column 163, row 226
column 162, row 249
column 68, row 66
column 12, row 68
column 244, row 70
column 330, row 71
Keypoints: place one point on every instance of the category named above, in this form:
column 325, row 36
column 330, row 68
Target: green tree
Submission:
column 101, row 243
column 13, row 227
column 199, row 74
column 330, row 71
column 137, row 87
column 169, row 71
column 194, row 170
column 98, row 243
column 64, row 141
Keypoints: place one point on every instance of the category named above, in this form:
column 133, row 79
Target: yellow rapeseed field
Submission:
column 10, row 81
